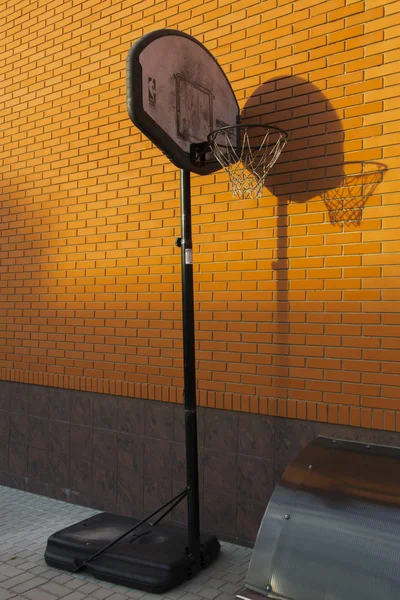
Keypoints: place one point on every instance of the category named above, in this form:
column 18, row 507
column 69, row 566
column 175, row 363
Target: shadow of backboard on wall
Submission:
column 313, row 156
column 310, row 164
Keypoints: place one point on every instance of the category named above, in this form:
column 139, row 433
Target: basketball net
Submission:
column 249, row 162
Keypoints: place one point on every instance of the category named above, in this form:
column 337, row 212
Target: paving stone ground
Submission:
column 27, row 520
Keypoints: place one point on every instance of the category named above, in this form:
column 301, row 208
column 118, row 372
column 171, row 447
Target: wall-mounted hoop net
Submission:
column 247, row 153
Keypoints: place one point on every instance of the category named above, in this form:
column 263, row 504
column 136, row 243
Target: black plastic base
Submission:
column 153, row 559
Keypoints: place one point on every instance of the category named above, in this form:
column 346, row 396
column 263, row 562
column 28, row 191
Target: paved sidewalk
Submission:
column 27, row 520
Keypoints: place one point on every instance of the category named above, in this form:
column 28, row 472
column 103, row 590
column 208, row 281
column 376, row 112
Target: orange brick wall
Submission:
column 297, row 294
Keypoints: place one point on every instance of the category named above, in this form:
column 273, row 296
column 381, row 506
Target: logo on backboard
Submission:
column 151, row 85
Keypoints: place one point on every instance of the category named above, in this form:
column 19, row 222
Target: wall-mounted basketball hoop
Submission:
column 180, row 98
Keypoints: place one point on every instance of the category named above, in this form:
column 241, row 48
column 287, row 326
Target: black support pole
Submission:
column 189, row 377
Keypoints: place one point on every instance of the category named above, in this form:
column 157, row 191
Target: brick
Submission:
column 346, row 34
column 5, row 594
column 10, row 571
column 39, row 594
column 355, row 8
column 21, row 581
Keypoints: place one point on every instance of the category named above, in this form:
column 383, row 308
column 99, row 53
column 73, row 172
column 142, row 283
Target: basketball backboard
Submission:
column 177, row 94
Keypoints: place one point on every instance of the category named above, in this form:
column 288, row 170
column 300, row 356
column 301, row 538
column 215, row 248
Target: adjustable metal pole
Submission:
column 189, row 374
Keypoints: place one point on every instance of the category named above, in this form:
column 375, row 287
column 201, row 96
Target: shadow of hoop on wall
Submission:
column 347, row 195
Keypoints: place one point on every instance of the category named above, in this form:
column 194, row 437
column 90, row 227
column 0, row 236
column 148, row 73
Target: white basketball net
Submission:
column 249, row 164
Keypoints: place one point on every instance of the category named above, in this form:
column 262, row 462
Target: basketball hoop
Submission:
column 247, row 153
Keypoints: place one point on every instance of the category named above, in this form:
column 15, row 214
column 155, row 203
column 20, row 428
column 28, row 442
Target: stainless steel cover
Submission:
column 331, row 530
